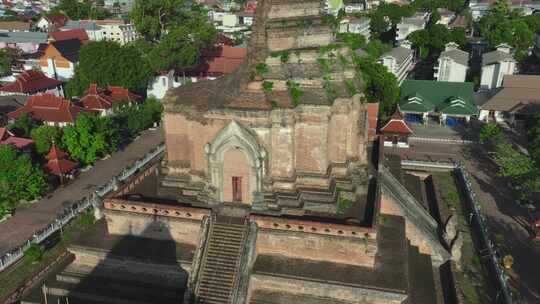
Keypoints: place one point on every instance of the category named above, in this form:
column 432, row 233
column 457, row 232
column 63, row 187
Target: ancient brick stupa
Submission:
column 266, row 193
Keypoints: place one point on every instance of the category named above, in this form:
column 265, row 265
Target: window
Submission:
column 237, row 188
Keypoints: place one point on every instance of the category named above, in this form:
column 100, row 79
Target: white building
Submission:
column 355, row 7
column 516, row 101
column 495, row 65
column 452, row 64
column 355, row 25
column 121, row 33
column 447, row 16
column 480, row 8
column 334, row 6
column 399, row 61
column 159, row 86
column 411, row 24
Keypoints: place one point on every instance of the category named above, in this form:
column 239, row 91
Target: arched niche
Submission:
column 238, row 146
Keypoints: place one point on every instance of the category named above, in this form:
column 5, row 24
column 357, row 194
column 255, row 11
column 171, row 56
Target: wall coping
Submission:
column 313, row 227
column 156, row 209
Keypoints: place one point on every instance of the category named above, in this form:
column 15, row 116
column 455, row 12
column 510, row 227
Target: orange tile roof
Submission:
column 31, row 82
column 70, row 34
column 373, row 118
column 50, row 108
column 397, row 124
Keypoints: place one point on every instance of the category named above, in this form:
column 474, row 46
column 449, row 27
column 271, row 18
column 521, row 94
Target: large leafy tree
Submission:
column 19, row 178
column 7, row 58
column 23, row 126
column 502, row 25
column 108, row 63
column 534, row 138
column 132, row 120
column 380, row 85
column 89, row 138
column 175, row 30
column 45, row 136
column 77, row 10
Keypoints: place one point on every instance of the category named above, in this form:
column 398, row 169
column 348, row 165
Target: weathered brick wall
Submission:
column 128, row 223
column 338, row 293
column 389, row 206
column 304, row 139
column 344, row 250
column 86, row 260
column 294, row 8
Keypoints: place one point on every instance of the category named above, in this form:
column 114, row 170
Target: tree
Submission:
column 45, row 136
column 176, row 30
column 180, row 48
column 132, row 120
column 23, row 125
column 19, row 178
column 7, row 58
column 534, row 138
column 490, row 133
column 522, row 39
column 375, row 48
column 378, row 25
column 512, row 163
column 77, row 10
column 89, row 138
column 501, row 25
column 381, row 85
column 108, row 63
column 74, row 9
column 458, row 36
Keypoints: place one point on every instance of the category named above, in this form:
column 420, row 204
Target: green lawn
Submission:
column 12, row 278
column 471, row 278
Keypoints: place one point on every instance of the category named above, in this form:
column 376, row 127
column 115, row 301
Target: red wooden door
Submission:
column 237, row 188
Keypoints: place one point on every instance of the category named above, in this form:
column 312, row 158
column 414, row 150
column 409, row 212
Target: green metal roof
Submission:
column 452, row 98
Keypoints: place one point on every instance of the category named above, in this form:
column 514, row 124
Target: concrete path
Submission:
column 17, row 229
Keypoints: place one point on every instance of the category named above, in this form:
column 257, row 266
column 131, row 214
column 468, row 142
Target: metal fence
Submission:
column 78, row 207
column 504, row 295
column 477, row 221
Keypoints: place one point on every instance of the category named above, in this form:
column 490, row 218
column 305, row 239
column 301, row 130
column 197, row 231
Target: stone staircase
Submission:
column 221, row 260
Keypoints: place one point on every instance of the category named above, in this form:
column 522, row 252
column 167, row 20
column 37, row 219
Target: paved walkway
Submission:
column 505, row 217
column 25, row 222
column 508, row 221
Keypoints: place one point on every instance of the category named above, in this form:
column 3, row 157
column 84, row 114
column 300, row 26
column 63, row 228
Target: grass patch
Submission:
column 343, row 204
column 471, row 280
column 29, row 265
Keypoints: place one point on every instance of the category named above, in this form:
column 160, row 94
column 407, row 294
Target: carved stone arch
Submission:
column 235, row 136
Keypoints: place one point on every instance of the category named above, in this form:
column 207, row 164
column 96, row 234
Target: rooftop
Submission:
column 23, row 37
column 519, row 93
column 14, row 26
column 50, row 108
column 103, row 99
column 69, row 34
column 495, row 57
column 68, row 48
column 30, row 82
column 399, row 53
column 457, row 55
column 453, row 98
column 7, row 138
column 87, row 25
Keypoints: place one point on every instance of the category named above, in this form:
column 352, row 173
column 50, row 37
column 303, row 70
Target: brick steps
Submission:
column 221, row 262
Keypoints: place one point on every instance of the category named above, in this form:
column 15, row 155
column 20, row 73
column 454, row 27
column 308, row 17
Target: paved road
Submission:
column 505, row 217
column 25, row 222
